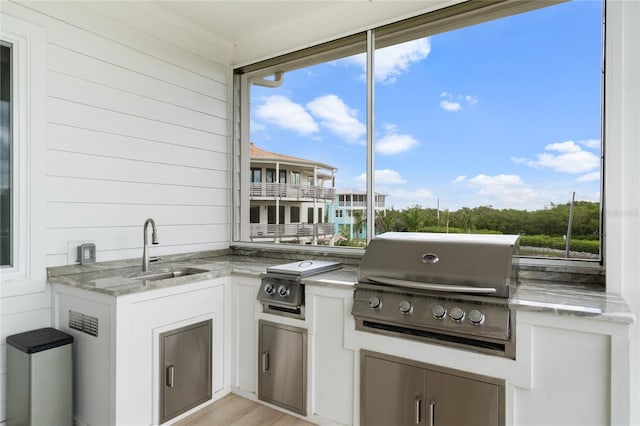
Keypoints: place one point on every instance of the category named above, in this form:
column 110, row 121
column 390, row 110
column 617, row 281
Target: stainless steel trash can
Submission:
column 40, row 378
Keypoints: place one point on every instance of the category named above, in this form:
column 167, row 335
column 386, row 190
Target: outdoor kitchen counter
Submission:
column 571, row 299
column 113, row 278
column 536, row 296
column 117, row 278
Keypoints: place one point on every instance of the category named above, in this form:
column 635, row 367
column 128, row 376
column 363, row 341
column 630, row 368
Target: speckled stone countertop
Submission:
column 571, row 299
column 121, row 278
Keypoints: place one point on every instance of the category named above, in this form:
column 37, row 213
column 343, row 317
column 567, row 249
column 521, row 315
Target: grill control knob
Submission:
column 476, row 317
column 375, row 302
column 405, row 307
column 283, row 291
column 456, row 314
column 438, row 311
column 268, row 288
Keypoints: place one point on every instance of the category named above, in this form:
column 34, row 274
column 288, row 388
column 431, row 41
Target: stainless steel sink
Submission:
column 163, row 275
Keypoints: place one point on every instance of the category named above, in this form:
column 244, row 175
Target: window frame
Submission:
column 270, row 176
column 310, row 218
column 252, row 214
column 294, row 217
column 256, row 172
column 28, row 271
column 445, row 19
column 12, row 246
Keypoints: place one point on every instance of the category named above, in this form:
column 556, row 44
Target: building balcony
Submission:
column 269, row 191
column 291, row 230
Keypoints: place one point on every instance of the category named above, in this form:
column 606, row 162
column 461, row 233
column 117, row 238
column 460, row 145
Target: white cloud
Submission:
column 519, row 160
column 257, row 127
column 336, row 116
column 591, row 143
column 287, row 114
column 383, row 177
column 563, row 157
column 450, row 106
column 471, row 100
column 502, row 189
column 459, row 179
column 394, row 143
column 568, row 146
column 589, row 177
column 455, row 102
column 402, row 198
column 573, row 162
column 392, row 61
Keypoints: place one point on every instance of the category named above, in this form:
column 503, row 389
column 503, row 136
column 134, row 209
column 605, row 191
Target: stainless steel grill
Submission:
column 450, row 289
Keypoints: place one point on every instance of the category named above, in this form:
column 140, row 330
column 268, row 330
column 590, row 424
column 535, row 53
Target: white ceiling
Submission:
column 265, row 28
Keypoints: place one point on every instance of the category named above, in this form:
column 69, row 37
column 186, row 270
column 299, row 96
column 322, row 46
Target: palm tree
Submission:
column 413, row 219
column 385, row 221
column 358, row 222
column 466, row 219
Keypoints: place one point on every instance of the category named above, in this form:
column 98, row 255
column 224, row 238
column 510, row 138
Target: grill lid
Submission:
column 463, row 263
column 304, row 268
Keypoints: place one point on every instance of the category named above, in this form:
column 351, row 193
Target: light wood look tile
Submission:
column 233, row 410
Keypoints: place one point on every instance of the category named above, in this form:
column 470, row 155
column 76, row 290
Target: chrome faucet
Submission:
column 154, row 240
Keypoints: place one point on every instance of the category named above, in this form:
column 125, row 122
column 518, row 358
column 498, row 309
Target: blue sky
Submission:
column 505, row 113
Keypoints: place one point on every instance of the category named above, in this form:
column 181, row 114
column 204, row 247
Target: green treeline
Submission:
column 539, row 228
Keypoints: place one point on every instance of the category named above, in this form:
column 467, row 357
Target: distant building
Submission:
column 289, row 198
column 349, row 212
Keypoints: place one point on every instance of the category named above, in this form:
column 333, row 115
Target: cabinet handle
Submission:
column 432, row 413
column 265, row 362
column 418, row 404
column 171, row 374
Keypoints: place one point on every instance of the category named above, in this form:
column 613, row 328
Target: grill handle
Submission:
column 433, row 286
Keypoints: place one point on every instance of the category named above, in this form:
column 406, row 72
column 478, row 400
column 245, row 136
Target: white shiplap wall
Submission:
column 137, row 126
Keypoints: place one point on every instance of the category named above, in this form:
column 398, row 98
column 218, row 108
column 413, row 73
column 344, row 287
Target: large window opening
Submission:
column 481, row 126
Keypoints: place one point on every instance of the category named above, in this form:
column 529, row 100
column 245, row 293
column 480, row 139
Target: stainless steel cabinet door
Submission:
column 283, row 366
column 391, row 393
column 458, row 401
column 185, row 376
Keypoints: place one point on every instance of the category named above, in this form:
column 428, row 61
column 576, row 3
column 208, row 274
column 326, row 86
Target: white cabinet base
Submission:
column 117, row 380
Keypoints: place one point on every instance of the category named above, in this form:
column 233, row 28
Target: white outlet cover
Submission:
column 72, row 251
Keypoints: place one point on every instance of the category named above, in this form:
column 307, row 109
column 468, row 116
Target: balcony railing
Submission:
column 359, row 204
column 290, row 191
column 289, row 230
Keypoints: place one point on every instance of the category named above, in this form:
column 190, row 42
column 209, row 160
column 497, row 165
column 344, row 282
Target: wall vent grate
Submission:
column 84, row 323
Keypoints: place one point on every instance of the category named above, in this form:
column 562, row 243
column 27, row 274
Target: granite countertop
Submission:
column 119, row 279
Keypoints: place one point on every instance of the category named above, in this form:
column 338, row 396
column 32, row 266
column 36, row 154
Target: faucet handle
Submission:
column 154, row 258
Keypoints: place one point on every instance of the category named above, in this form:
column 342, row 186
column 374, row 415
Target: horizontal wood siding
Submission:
column 137, row 126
